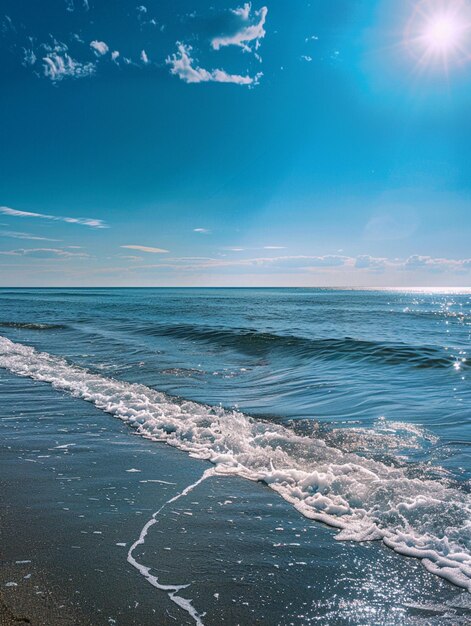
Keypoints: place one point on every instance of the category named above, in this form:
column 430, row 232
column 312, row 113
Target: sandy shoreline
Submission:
column 79, row 487
column 7, row 617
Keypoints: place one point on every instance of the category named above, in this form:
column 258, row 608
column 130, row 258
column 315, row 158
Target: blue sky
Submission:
column 306, row 143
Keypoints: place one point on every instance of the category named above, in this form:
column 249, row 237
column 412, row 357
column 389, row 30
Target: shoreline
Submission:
column 80, row 488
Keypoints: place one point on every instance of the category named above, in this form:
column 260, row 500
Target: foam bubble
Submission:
column 365, row 499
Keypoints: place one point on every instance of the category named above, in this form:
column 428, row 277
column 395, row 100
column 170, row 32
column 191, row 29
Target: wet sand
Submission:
column 77, row 489
column 7, row 617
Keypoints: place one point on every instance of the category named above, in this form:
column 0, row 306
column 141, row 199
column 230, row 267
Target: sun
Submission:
column 443, row 33
column 439, row 32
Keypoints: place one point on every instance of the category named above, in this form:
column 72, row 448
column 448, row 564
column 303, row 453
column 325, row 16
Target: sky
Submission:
column 271, row 143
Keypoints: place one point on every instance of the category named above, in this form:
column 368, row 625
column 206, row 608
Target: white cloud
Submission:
column 415, row 262
column 298, row 262
column 84, row 221
column 306, row 57
column 144, row 57
column 17, row 235
column 274, row 247
column 243, row 12
column 100, row 47
column 44, row 253
column 29, row 57
column 114, row 55
column 202, row 231
column 332, row 264
column 58, row 64
column 248, row 33
column 146, row 249
column 365, row 261
column 181, row 65
column 419, row 262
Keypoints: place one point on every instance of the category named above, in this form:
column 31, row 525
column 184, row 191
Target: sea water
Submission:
column 353, row 406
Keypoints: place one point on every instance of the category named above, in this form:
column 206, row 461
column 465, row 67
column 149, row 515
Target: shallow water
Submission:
column 360, row 401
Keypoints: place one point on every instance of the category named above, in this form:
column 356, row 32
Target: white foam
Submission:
column 161, row 482
column 172, row 590
column 363, row 498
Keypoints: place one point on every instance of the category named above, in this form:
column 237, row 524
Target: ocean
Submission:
column 345, row 413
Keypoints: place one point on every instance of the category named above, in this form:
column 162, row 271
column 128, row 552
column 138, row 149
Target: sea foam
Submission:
column 364, row 498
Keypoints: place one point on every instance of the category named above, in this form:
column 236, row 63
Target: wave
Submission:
column 256, row 343
column 32, row 326
column 364, row 499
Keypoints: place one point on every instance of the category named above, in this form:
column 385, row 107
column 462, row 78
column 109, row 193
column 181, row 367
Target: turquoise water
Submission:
column 354, row 406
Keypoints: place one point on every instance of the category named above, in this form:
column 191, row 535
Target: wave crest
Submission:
column 365, row 499
column 257, row 343
column 32, row 326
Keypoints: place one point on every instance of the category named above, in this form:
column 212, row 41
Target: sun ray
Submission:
column 438, row 34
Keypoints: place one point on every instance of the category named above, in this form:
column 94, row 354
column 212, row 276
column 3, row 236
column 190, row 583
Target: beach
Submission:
column 102, row 524
column 235, row 313
column 73, row 511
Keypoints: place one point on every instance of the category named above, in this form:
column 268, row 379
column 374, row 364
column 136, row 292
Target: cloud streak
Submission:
column 330, row 263
column 83, row 221
column 183, row 65
column 148, row 249
column 44, row 253
column 248, row 34
column 17, row 235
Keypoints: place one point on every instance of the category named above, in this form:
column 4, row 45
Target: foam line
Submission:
column 172, row 590
column 426, row 518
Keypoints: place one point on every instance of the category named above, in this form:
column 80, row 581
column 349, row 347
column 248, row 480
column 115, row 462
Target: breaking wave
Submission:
column 364, row 499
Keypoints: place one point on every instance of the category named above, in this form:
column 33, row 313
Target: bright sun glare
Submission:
column 439, row 32
column 443, row 33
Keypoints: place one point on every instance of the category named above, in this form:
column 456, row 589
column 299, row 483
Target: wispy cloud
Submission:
column 243, row 12
column 202, row 231
column 17, row 235
column 427, row 263
column 274, row 247
column 365, row 261
column 182, row 65
column 149, row 249
column 58, row 64
column 330, row 263
column 44, row 253
column 84, row 221
column 71, row 5
column 250, row 32
column 414, row 262
column 281, row 263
